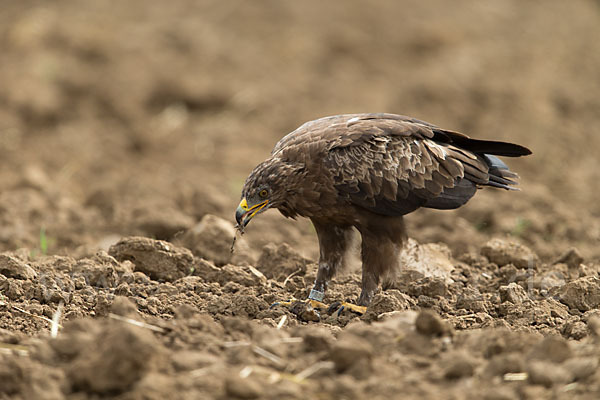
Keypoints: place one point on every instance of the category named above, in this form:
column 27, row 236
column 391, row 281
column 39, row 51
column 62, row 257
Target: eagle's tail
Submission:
column 478, row 146
column 499, row 174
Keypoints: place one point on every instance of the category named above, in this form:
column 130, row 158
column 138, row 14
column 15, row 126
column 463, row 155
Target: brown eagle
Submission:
column 366, row 171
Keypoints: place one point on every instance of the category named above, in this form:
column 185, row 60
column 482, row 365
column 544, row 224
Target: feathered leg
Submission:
column 382, row 239
column 334, row 243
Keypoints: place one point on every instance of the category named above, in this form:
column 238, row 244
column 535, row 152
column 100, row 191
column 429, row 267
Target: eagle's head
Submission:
column 272, row 184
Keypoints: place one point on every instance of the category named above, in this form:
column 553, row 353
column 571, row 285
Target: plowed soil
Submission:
column 127, row 130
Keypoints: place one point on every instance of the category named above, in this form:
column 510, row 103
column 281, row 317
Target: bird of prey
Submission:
column 365, row 171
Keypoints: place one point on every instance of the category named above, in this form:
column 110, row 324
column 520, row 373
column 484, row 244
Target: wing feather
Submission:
column 393, row 164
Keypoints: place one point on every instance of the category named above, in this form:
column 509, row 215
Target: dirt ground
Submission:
column 127, row 130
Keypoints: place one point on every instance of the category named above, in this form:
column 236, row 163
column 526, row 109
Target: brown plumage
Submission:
column 366, row 171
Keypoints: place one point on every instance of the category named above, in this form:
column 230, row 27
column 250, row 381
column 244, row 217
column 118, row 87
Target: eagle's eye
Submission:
column 263, row 193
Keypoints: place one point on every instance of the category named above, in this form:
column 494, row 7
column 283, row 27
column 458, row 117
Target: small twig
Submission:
column 282, row 321
column 274, row 377
column 268, row 355
column 8, row 348
column 256, row 272
column 33, row 315
column 467, row 316
column 238, row 228
column 195, row 373
column 233, row 242
column 291, row 340
column 291, row 275
column 245, row 372
column 516, row 376
column 55, row 318
column 308, row 372
column 136, row 323
column 236, row 343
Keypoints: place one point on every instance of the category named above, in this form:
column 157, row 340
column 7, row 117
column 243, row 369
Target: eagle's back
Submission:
column 392, row 164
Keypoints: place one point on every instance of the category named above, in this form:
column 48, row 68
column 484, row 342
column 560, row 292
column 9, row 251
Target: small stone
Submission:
column 575, row 330
column 316, row 338
column 242, row 388
column 430, row 260
column 470, row 298
column 504, row 363
column 571, row 257
column 158, row 259
column 582, row 294
column 548, row 280
column 593, row 324
column 458, row 365
column 211, row 239
column 280, row 261
column 352, row 354
column 385, row 302
column 114, row 359
column 96, row 274
column 548, row 374
column 12, row 267
column 552, row 348
column 430, row 324
column 433, row 287
column 503, row 252
column 581, row 367
column 123, row 306
column 513, row 293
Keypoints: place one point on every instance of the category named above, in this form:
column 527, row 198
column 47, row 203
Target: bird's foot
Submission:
column 306, row 310
column 311, row 310
column 290, row 303
column 340, row 307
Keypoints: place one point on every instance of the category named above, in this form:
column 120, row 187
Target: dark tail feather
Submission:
column 499, row 174
column 481, row 146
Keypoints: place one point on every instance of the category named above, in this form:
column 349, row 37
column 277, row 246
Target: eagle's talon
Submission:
column 333, row 307
column 317, row 304
column 287, row 304
column 352, row 307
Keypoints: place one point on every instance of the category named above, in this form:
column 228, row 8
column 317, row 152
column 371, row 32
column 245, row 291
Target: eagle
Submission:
column 365, row 172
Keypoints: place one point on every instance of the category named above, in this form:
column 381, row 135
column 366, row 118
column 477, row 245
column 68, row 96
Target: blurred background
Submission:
column 142, row 116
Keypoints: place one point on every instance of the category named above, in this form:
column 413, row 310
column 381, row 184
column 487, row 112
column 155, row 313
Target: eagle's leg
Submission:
column 334, row 243
column 382, row 239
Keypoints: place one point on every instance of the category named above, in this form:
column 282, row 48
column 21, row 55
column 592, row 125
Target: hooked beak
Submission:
column 244, row 214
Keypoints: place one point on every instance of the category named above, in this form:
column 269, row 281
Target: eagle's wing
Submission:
column 393, row 165
column 338, row 127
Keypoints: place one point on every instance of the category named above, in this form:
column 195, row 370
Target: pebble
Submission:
column 12, row 267
column 548, row 374
column 503, row 252
column 430, row 324
column 582, row 294
column 513, row 293
column 242, row 388
column 353, row 355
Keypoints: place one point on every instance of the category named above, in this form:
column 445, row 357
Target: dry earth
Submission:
column 127, row 130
